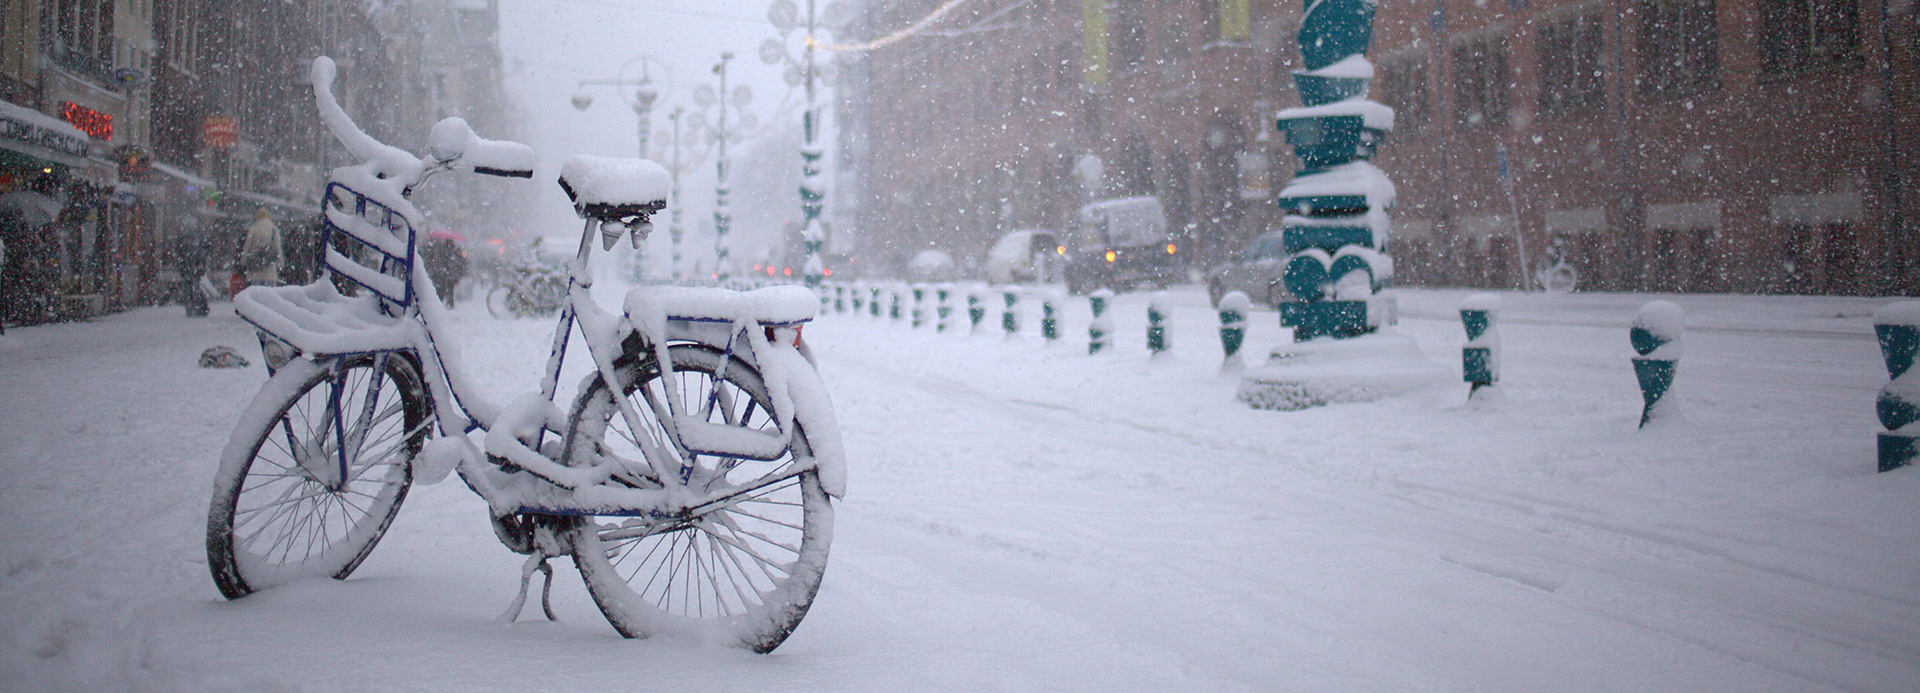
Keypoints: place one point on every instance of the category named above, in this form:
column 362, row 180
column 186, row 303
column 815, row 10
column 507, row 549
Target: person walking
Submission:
column 262, row 254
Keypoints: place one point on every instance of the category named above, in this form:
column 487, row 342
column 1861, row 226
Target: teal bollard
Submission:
column 943, row 308
column 1480, row 356
column 1655, row 336
column 1159, row 324
column 919, row 306
column 1050, row 316
column 894, row 311
column 1234, row 308
column 1100, row 328
column 976, row 310
column 857, row 296
column 873, row 302
column 1897, row 325
column 839, row 298
column 1010, row 319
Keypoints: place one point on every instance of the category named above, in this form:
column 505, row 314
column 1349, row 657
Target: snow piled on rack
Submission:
column 1029, row 517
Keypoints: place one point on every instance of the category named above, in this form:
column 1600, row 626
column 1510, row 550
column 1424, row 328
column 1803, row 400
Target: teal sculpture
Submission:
column 1336, row 225
column 1897, row 325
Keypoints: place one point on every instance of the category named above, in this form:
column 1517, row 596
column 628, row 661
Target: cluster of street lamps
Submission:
column 725, row 128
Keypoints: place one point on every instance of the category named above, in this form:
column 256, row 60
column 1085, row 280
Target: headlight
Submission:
column 1110, row 256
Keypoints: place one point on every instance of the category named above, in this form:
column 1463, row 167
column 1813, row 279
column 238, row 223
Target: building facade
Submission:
column 1656, row 145
column 142, row 135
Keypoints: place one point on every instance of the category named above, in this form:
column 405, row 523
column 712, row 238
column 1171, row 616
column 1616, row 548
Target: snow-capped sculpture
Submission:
column 1336, row 224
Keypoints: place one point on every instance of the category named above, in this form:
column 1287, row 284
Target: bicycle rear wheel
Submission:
column 742, row 571
column 287, row 504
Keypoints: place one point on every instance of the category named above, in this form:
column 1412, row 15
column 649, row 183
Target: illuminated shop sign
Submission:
column 26, row 131
column 96, row 124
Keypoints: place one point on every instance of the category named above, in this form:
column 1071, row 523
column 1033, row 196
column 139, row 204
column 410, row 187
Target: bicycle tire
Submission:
column 314, row 525
column 1560, row 278
column 497, row 304
column 742, row 573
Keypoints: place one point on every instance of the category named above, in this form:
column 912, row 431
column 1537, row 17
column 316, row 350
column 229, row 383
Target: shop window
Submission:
column 1805, row 35
column 1570, row 73
column 1402, row 84
column 1480, row 81
column 1129, row 35
column 1679, row 47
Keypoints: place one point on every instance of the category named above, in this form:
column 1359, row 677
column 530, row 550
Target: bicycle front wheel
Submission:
column 315, row 471
column 741, row 570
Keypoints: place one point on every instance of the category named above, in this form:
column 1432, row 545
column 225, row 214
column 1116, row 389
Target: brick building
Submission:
column 1687, row 145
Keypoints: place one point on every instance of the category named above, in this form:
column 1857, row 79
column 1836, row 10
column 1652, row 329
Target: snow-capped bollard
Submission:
column 839, row 298
column 873, row 301
column 1100, row 329
column 1159, row 324
column 1480, row 356
column 1656, row 338
column 919, row 306
column 1010, row 319
column 1898, row 327
column 943, row 307
column 1234, row 308
column 857, row 295
column 1050, row 304
column 976, row 310
column 894, row 311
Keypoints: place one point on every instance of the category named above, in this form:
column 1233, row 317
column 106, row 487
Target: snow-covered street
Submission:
column 1022, row 516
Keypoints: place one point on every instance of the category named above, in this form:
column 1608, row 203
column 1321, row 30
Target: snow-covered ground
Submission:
column 1025, row 517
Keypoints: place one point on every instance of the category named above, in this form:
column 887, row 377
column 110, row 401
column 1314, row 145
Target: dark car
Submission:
column 1255, row 271
column 1119, row 244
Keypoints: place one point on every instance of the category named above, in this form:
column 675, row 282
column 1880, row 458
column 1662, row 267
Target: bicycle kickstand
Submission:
column 535, row 562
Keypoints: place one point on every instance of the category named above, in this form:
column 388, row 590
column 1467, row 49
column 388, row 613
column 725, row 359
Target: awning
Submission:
column 258, row 198
column 41, row 136
column 184, row 177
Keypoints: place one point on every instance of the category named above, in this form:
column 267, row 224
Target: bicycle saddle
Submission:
column 613, row 189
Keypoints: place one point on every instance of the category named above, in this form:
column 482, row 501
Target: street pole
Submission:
column 674, row 230
column 722, row 216
column 813, row 191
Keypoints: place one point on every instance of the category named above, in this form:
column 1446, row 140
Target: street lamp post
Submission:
column 813, row 187
column 674, row 230
column 722, row 214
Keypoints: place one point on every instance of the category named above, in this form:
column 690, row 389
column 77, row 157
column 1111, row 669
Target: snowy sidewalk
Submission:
column 1025, row 517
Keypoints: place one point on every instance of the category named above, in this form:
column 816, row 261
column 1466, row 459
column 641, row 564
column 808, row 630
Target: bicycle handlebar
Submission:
column 453, row 142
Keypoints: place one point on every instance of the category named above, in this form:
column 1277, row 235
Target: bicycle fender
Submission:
column 813, row 410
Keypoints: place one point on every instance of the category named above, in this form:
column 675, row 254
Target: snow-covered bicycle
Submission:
column 690, row 481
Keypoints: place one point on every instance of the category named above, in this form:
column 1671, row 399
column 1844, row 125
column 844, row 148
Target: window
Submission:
column 1480, row 81
column 1129, row 35
column 1802, row 35
column 83, row 35
column 1679, row 47
column 1402, row 84
column 1570, row 72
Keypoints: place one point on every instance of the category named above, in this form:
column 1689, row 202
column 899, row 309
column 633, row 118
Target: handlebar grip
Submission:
column 500, row 158
column 454, row 142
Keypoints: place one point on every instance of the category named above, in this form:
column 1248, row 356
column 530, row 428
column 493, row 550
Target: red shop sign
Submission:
column 96, row 124
column 222, row 132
